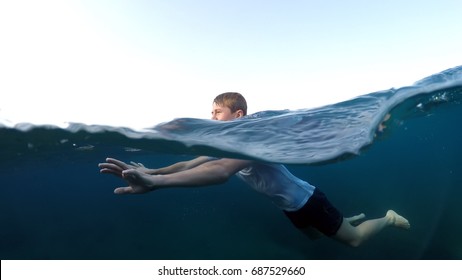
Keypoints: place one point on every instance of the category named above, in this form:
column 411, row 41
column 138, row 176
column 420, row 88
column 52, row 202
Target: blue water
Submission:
column 55, row 205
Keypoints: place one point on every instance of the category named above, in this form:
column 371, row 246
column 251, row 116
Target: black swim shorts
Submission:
column 319, row 213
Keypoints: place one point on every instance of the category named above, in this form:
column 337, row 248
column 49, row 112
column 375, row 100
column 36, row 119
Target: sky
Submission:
column 138, row 63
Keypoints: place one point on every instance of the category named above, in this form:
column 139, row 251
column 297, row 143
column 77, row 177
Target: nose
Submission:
column 214, row 116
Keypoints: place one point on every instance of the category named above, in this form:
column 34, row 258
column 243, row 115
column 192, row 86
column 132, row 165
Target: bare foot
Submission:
column 382, row 125
column 356, row 220
column 397, row 220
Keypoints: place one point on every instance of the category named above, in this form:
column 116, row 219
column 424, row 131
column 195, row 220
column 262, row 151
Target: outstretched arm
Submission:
column 209, row 173
column 180, row 166
column 114, row 166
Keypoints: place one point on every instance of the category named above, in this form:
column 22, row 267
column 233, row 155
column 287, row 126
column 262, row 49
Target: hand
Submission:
column 116, row 167
column 138, row 181
column 140, row 167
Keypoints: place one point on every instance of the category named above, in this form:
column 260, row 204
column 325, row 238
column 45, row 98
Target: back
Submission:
column 288, row 192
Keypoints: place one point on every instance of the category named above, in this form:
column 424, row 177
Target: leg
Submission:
column 355, row 236
column 313, row 233
column 355, row 220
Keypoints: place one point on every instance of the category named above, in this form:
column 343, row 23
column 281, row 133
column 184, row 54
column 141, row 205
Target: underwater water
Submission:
column 54, row 203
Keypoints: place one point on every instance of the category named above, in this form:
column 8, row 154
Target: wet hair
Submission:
column 233, row 100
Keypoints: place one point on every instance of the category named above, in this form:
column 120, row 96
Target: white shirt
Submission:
column 274, row 180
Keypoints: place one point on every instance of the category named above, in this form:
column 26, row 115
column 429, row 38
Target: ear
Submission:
column 239, row 113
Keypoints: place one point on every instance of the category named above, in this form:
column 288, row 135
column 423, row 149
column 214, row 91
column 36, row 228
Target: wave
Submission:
column 307, row 136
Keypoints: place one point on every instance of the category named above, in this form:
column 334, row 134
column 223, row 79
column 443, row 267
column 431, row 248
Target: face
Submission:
column 222, row 113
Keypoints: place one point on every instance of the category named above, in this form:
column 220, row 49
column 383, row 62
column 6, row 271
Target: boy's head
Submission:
column 228, row 106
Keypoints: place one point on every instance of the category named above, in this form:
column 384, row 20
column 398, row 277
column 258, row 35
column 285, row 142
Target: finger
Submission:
column 119, row 163
column 111, row 171
column 136, row 164
column 123, row 190
column 130, row 174
column 110, row 166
